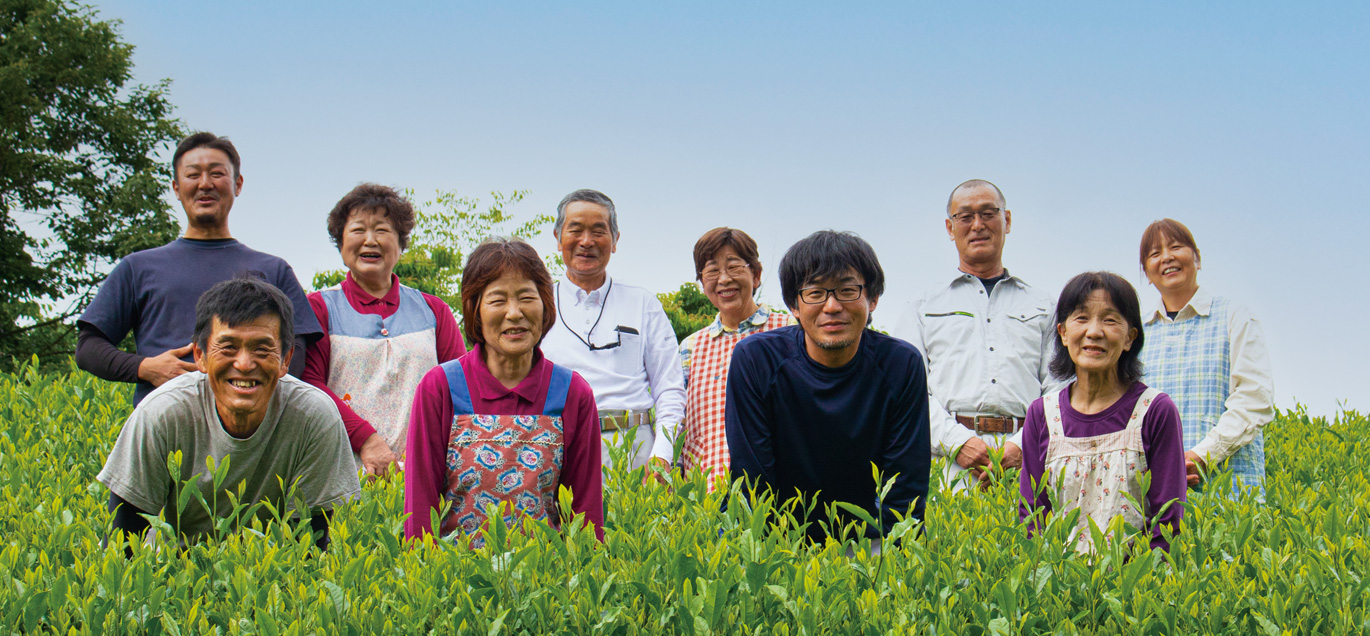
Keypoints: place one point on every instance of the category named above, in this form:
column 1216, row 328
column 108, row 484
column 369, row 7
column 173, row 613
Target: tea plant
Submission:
column 674, row 560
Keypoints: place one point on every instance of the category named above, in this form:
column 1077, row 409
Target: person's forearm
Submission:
column 98, row 356
column 127, row 519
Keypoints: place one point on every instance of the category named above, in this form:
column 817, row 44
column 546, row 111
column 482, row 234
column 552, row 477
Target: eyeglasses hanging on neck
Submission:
column 618, row 331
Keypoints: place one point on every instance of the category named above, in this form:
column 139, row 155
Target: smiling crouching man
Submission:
column 811, row 407
column 239, row 407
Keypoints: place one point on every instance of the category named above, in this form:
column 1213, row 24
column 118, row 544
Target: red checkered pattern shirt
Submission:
column 704, row 357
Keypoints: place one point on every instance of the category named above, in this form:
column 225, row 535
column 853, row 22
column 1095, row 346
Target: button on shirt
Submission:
column 642, row 372
column 986, row 353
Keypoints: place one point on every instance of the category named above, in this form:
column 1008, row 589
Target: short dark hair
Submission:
column 1164, row 229
column 205, row 140
column 240, row 300
column 825, row 254
column 721, row 237
column 1124, row 298
column 372, row 196
column 493, row 258
column 588, row 196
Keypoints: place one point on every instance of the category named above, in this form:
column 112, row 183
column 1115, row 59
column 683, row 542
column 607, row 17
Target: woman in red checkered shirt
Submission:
column 729, row 271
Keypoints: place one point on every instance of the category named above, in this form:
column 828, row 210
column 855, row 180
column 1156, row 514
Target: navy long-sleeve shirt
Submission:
column 796, row 425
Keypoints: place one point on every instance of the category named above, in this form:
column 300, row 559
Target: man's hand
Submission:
column 657, row 469
column 1193, row 466
column 1013, row 456
column 377, row 456
column 973, row 453
column 157, row 369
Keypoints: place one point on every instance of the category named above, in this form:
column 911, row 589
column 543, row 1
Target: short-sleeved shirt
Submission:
column 301, row 441
column 153, row 294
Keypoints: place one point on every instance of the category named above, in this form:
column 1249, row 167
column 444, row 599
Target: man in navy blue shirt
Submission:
column 811, row 407
column 153, row 292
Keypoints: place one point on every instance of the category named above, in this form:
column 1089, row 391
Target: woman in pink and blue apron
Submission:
column 1089, row 445
column 502, row 425
column 380, row 337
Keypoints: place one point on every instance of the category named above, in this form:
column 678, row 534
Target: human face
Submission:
column 832, row 329
column 244, row 363
column 980, row 243
column 1173, row 268
column 511, row 316
column 1096, row 335
column 370, row 247
column 206, row 185
column 586, row 243
column 731, row 294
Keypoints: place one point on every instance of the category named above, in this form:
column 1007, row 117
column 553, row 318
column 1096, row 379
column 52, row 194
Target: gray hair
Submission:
column 589, row 196
column 976, row 183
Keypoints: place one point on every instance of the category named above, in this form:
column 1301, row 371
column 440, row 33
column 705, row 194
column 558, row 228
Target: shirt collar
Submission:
column 758, row 319
column 358, row 296
column 962, row 276
column 1201, row 304
column 593, row 297
column 529, row 389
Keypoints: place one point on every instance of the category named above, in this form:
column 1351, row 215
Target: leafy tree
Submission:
column 445, row 231
column 688, row 309
column 79, row 181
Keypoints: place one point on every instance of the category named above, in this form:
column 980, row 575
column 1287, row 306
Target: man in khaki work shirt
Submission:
column 986, row 336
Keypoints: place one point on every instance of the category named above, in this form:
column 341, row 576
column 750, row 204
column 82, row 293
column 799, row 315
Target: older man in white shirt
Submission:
column 615, row 335
column 986, row 337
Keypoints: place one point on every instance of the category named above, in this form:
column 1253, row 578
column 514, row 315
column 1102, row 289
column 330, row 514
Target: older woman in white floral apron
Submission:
column 503, row 425
column 380, row 337
column 1209, row 354
column 1089, row 444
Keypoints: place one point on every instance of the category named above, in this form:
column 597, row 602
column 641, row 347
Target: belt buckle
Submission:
column 980, row 431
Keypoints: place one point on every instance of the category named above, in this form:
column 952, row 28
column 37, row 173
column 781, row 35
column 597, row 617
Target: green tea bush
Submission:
column 672, row 561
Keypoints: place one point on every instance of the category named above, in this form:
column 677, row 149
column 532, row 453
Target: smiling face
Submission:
column 1096, row 334
column 511, row 316
column 244, row 363
column 1173, row 268
column 832, row 328
column 586, row 243
column 979, row 243
column 206, row 185
column 370, row 247
column 729, row 283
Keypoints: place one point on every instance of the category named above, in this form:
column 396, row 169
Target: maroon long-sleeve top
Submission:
column 320, row 352
column 430, row 426
column 1162, row 441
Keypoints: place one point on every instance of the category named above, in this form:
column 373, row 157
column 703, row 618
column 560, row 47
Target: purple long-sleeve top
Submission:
column 1162, row 442
column 430, row 425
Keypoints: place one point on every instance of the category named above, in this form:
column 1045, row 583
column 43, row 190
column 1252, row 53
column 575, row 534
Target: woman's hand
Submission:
column 377, row 456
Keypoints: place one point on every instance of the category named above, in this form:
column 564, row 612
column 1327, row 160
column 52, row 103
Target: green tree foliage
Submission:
column 688, row 309
column 79, row 181
column 446, row 229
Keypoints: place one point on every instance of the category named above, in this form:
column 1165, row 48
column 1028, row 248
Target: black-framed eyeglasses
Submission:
column 819, row 295
column 987, row 215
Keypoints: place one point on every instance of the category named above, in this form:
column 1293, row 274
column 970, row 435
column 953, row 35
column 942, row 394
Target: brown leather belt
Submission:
column 991, row 424
column 620, row 420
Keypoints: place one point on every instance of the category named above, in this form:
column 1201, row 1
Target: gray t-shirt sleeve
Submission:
column 327, row 473
column 136, row 468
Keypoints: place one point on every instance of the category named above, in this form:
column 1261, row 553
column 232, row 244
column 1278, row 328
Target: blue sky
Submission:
column 1246, row 121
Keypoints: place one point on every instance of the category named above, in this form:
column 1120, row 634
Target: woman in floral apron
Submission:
column 380, row 337
column 728, row 268
column 502, row 426
column 1087, row 446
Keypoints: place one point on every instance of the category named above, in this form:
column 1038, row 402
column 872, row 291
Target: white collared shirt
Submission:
column 642, row 372
column 1250, row 403
column 986, row 354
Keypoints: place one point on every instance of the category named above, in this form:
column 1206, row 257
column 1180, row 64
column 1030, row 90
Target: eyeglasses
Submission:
column 819, row 295
column 712, row 272
column 987, row 215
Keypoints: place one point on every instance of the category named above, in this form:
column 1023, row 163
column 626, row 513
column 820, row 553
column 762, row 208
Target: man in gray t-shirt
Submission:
column 240, row 407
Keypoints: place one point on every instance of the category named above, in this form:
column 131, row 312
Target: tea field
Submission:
column 672, row 561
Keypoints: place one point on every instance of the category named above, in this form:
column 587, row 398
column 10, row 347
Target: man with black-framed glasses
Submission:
column 987, row 338
column 615, row 335
column 811, row 407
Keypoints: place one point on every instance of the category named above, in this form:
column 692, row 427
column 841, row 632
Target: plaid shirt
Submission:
column 704, row 357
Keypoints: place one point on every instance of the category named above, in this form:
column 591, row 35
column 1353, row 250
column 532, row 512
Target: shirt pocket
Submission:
column 1026, row 326
column 628, row 354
